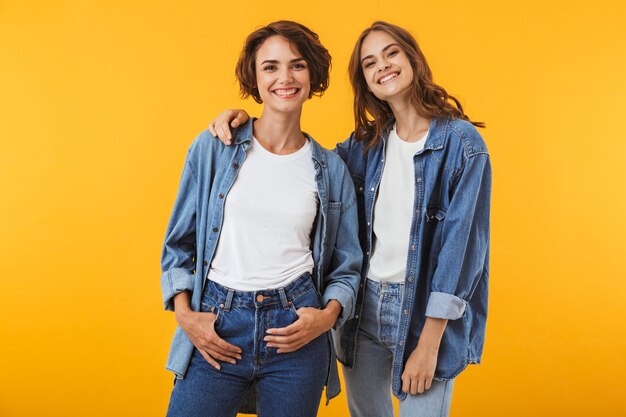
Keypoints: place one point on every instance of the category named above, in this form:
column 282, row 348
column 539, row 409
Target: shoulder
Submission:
column 463, row 134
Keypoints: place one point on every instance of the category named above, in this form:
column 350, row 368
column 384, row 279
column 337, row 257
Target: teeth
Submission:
column 388, row 77
column 284, row 93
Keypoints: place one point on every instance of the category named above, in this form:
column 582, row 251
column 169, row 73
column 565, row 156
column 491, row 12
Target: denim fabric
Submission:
column 195, row 224
column 447, row 268
column 368, row 382
column 287, row 384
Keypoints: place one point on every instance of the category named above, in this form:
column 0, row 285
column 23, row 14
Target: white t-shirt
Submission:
column 268, row 217
column 393, row 210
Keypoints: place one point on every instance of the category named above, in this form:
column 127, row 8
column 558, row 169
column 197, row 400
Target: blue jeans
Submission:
column 368, row 383
column 287, row 384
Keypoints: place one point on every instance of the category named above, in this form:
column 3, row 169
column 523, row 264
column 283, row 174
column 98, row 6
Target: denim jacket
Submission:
column 447, row 268
column 196, row 221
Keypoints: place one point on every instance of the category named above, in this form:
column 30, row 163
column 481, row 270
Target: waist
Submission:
column 260, row 298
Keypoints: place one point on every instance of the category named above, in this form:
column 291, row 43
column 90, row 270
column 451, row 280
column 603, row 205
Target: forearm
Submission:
column 432, row 333
column 182, row 305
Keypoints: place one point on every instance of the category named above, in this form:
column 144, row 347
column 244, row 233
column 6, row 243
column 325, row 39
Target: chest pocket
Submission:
column 433, row 218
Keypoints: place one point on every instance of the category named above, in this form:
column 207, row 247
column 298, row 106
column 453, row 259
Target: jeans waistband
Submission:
column 386, row 287
column 228, row 297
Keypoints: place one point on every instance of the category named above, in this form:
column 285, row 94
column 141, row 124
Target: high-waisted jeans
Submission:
column 368, row 383
column 288, row 384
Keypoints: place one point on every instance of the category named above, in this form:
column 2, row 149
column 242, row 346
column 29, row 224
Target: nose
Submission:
column 383, row 65
column 285, row 76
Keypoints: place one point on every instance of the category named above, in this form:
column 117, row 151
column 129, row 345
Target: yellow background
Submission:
column 100, row 100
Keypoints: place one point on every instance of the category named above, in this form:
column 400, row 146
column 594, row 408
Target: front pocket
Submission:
column 209, row 305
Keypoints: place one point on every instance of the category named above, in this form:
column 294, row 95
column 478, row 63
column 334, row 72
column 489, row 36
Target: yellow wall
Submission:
column 99, row 101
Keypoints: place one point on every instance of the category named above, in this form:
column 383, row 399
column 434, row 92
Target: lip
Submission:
column 286, row 93
column 386, row 78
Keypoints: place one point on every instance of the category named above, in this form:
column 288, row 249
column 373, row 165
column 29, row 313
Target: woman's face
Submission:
column 282, row 75
column 386, row 67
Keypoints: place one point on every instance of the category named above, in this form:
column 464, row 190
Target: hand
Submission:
column 200, row 329
column 311, row 323
column 419, row 369
column 220, row 127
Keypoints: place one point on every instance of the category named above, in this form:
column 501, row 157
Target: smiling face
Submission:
column 282, row 75
column 386, row 67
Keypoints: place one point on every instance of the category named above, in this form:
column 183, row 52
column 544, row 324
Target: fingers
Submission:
column 209, row 359
column 416, row 384
column 294, row 327
column 212, row 128
column 241, row 118
column 227, row 348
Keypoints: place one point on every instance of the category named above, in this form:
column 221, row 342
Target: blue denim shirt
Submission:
column 447, row 268
column 196, row 221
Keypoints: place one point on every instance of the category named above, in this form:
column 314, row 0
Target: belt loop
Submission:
column 283, row 298
column 229, row 299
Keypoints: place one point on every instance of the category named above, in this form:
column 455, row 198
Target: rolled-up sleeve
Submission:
column 465, row 241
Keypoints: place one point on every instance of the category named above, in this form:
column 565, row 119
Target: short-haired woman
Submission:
column 261, row 256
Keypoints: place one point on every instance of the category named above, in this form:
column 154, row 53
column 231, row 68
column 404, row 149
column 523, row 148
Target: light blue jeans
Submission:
column 368, row 383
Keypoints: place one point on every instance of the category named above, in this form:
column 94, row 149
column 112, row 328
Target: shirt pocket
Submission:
column 333, row 216
column 434, row 219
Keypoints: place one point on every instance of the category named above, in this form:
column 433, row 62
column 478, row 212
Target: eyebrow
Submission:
column 274, row 61
column 384, row 49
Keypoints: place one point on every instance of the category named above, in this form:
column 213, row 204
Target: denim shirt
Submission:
column 196, row 222
column 447, row 268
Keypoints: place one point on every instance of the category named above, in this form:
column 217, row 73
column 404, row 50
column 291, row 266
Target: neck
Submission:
column 279, row 133
column 410, row 125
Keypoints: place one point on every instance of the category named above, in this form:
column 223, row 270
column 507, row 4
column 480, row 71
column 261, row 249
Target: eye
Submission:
column 269, row 68
column 368, row 64
column 299, row 66
column 392, row 53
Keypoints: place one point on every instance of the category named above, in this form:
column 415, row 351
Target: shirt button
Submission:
column 356, row 316
column 406, row 311
column 205, row 263
column 413, row 247
column 367, row 253
column 360, row 188
column 372, row 189
column 221, row 196
column 401, row 342
column 368, row 223
column 215, row 229
column 410, row 279
column 235, row 165
column 419, row 179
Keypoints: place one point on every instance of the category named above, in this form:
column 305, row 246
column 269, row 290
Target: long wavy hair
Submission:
column 430, row 99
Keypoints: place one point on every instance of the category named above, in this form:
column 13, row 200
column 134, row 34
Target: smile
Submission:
column 388, row 78
column 286, row 92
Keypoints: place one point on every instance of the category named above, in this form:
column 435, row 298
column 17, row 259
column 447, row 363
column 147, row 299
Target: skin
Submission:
column 382, row 56
column 284, row 82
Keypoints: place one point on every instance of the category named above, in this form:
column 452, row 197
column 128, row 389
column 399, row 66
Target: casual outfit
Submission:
column 446, row 267
column 287, row 232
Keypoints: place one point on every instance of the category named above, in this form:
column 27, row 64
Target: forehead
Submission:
column 276, row 48
column 375, row 41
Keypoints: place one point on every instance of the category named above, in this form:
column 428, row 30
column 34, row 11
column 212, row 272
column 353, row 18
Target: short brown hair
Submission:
column 299, row 36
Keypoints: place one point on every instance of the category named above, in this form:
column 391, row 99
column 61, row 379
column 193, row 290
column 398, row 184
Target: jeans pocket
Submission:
column 210, row 305
column 307, row 298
